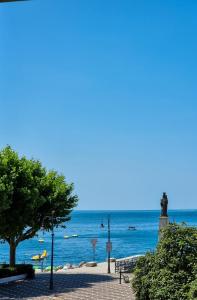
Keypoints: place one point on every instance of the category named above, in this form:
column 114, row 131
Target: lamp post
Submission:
column 109, row 245
column 52, row 250
column 94, row 242
column 52, row 218
column 52, row 245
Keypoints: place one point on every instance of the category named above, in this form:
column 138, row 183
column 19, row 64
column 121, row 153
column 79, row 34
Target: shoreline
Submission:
column 99, row 268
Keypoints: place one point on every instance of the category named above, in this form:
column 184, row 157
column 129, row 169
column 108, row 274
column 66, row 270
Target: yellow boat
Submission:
column 40, row 256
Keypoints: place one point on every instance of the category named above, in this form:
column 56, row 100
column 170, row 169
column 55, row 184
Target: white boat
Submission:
column 75, row 235
column 41, row 240
column 66, row 236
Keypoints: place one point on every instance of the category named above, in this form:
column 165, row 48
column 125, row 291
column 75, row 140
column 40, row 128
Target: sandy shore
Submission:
column 101, row 268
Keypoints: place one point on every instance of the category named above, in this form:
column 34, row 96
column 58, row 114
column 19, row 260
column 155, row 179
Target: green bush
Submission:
column 6, row 271
column 166, row 285
column 192, row 295
column 141, row 284
column 170, row 272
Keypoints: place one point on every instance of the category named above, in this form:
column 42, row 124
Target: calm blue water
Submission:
column 87, row 225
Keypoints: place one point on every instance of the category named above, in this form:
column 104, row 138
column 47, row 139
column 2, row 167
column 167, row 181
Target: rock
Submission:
column 75, row 266
column 47, row 269
column 126, row 278
column 67, row 266
column 91, row 264
column 60, row 270
column 70, row 266
column 82, row 263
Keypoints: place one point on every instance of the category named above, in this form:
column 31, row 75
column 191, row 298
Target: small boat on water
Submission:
column 41, row 240
column 66, row 237
column 75, row 235
column 71, row 236
column 131, row 228
column 39, row 257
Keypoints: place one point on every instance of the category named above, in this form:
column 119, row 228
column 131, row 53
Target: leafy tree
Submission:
column 28, row 196
column 170, row 272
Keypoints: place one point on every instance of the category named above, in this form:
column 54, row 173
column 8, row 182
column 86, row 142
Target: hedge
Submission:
column 6, row 271
column 169, row 273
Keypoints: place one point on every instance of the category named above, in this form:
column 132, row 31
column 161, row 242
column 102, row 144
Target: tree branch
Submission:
column 27, row 235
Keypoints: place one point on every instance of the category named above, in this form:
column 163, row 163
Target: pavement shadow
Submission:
column 63, row 283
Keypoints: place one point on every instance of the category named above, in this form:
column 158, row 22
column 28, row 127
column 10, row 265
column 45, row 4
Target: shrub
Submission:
column 166, row 285
column 141, row 284
column 169, row 273
column 192, row 295
column 6, row 271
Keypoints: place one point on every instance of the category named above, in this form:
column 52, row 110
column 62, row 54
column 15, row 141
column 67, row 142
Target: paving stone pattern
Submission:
column 68, row 286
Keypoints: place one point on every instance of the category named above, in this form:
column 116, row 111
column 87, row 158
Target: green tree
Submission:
column 170, row 272
column 28, row 195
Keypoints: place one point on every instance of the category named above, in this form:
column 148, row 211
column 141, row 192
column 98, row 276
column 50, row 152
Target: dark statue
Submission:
column 164, row 205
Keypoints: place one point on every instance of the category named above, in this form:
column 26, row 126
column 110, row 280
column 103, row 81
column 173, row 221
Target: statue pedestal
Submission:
column 163, row 222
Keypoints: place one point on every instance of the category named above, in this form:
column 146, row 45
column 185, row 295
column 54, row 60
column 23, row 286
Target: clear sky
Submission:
column 105, row 92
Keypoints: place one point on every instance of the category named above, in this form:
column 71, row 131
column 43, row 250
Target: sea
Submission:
column 86, row 225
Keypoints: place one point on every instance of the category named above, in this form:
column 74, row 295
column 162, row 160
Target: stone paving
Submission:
column 69, row 286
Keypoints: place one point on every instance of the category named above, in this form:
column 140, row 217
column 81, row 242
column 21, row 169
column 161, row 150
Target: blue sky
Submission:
column 104, row 91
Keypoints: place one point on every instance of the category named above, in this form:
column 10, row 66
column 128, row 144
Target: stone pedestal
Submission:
column 163, row 222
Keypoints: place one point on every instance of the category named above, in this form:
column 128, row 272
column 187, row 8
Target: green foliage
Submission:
column 168, row 273
column 28, row 196
column 141, row 284
column 6, row 271
column 168, row 285
column 192, row 295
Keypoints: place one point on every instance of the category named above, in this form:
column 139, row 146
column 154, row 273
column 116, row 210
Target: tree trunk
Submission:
column 12, row 253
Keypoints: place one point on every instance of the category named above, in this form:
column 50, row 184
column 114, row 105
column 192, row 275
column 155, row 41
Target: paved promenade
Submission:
column 78, row 286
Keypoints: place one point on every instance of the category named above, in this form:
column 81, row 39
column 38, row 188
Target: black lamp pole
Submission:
column 109, row 245
column 52, row 250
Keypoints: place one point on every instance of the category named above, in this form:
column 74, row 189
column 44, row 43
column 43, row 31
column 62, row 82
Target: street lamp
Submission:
column 52, row 250
column 109, row 245
column 51, row 218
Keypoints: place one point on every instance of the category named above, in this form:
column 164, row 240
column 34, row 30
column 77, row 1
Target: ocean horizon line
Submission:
column 137, row 210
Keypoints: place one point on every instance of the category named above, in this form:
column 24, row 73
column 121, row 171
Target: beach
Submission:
column 101, row 268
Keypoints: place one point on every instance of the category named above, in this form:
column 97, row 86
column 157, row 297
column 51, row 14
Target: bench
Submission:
column 125, row 265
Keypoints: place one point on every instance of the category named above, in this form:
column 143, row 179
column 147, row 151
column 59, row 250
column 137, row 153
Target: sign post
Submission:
column 94, row 242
